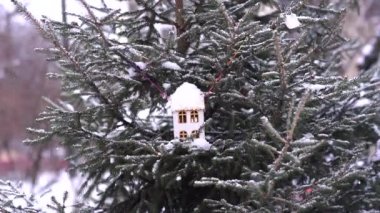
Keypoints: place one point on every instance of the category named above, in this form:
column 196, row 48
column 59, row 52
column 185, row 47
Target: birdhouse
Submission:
column 187, row 105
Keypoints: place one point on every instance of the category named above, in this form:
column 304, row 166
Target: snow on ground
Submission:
column 51, row 184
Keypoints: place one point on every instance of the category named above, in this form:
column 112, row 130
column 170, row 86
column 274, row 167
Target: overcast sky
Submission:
column 52, row 8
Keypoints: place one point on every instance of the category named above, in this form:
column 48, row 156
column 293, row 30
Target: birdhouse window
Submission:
column 195, row 134
column 182, row 135
column 182, row 117
column 194, row 118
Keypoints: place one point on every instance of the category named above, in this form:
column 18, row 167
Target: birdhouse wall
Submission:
column 188, row 126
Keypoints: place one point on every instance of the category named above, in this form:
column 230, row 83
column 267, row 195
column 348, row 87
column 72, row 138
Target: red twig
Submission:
column 162, row 92
column 220, row 74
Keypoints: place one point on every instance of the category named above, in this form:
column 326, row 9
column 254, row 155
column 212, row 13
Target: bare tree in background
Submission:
column 64, row 20
column 22, row 84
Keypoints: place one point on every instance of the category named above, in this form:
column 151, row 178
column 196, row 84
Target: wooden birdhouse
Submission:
column 187, row 105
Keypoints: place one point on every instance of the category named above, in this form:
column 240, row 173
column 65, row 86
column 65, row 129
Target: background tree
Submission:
column 288, row 133
column 22, row 84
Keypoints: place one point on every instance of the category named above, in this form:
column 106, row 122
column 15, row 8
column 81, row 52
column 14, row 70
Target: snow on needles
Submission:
column 201, row 143
column 171, row 65
column 266, row 9
column 291, row 21
column 187, row 97
column 193, row 144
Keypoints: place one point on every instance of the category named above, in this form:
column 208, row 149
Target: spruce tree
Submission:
column 288, row 132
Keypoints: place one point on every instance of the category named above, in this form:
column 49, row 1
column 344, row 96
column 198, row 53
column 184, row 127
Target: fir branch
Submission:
column 280, row 64
column 289, row 138
column 230, row 21
column 300, row 108
column 279, row 159
column 283, row 78
column 107, row 44
column 271, row 130
column 324, row 10
column 31, row 18
column 290, row 112
column 287, row 202
column 295, row 45
column 96, row 22
column 164, row 19
column 55, row 41
column 182, row 42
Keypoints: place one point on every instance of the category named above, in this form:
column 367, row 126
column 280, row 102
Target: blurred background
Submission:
column 23, row 84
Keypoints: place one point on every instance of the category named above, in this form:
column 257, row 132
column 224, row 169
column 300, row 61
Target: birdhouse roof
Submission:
column 187, row 97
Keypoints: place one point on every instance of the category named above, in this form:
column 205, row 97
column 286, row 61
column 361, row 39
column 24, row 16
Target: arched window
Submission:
column 182, row 116
column 194, row 116
column 195, row 134
column 182, row 135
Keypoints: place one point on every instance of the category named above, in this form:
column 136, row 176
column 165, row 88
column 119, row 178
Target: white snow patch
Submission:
column 169, row 146
column 116, row 132
column 375, row 157
column 19, row 202
column 51, row 184
column 376, row 129
column 116, row 37
column 362, row 103
column 329, row 157
column 143, row 114
column 118, row 47
column 140, row 64
column 360, row 60
column 85, row 97
column 68, row 106
column 294, row 182
column 266, row 9
column 201, row 143
column 314, row 87
column 166, row 85
column 247, row 111
column 360, row 163
column 291, row 21
column 367, row 49
column 171, row 65
column 187, row 97
column 308, row 136
column 164, row 29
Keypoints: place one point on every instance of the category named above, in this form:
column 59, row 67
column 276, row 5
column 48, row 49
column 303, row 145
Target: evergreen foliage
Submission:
column 288, row 133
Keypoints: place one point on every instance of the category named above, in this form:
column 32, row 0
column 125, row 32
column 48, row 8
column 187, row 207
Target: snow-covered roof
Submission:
column 187, row 97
